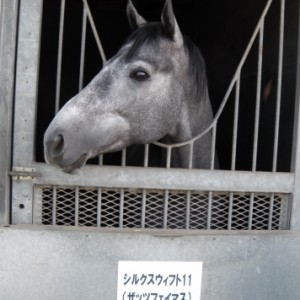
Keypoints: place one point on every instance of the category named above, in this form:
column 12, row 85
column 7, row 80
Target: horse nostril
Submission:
column 57, row 147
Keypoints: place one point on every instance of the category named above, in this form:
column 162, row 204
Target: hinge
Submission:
column 23, row 173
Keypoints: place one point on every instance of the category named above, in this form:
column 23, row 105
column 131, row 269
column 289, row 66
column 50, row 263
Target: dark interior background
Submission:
column 221, row 29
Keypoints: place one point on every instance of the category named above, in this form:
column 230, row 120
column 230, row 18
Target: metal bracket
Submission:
column 23, row 173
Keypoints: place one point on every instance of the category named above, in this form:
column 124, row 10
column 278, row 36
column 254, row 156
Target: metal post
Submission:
column 29, row 32
column 8, row 33
column 295, row 167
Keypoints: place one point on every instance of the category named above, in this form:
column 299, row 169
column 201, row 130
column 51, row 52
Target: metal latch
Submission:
column 23, row 173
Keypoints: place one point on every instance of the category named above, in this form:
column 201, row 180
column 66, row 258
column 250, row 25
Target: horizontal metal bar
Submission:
column 24, row 174
column 179, row 179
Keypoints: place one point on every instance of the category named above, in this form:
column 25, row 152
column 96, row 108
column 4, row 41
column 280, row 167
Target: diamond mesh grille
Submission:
column 125, row 208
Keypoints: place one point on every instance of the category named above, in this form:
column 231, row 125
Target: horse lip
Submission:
column 77, row 164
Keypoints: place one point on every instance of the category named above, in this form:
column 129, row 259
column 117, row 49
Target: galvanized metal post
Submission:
column 8, row 32
column 295, row 212
column 27, row 64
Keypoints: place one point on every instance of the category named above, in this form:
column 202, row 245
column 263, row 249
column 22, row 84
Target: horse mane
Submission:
column 152, row 32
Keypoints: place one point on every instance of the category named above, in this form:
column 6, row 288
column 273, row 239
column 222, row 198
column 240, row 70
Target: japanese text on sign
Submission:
column 139, row 280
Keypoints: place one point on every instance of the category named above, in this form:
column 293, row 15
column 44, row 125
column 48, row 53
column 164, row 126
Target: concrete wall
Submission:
column 65, row 263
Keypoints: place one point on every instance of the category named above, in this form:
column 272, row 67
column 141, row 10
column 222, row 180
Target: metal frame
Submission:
column 8, row 34
column 123, row 177
column 295, row 167
column 25, row 105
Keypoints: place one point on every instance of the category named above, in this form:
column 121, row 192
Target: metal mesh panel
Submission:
column 127, row 208
column 154, row 214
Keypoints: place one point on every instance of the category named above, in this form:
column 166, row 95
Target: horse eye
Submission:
column 139, row 75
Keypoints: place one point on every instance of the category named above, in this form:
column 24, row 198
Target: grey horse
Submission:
column 153, row 89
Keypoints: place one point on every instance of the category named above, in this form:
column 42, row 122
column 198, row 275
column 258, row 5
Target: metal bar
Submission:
column 123, row 158
column 251, row 204
column 82, row 51
column 188, row 209
column 166, row 202
column 271, row 211
column 146, row 155
column 230, row 211
column 209, row 210
column 143, row 216
column 93, row 26
column 168, row 163
column 279, row 85
column 121, row 213
column 258, row 97
column 100, row 163
column 9, row 13
column 235, row 122
column 25, row 91
column 76, row 206
column 99, row 206
column 54, row 198
column 162, row 178
column 191, row 153
column 295, row 165
column 60, row 51
column 213, row 147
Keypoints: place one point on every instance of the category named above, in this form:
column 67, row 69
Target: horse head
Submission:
column 137, row 97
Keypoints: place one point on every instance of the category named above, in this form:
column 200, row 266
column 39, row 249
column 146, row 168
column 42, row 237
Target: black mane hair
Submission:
column 152, row 32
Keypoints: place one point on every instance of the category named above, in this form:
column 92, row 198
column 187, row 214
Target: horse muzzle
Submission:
column 68, row 146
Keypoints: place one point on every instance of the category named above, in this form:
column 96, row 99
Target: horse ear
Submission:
column 170, row 24
column 135, row 20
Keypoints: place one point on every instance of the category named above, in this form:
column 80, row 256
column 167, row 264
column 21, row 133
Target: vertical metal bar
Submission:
column 279, row 84
column 168, row 163
column 165, row 221
column 9, row 14
column 271, row 209
column 213, row 146
column 146, row 155
column 25, row 91
column 191, row 154
column 258, row 96
column 82, row 51
column 251, row 204
column 76, row 206
column 59, row 59
column 188, row 209
column 295, row 165
column 99, row 206
column 230, row 211
column 54, row 198
column 121, row 214
column 235, row 121
column 93, row 26
column 100, row 160
column 143, row 216
column 124, row 158
column 209, row 209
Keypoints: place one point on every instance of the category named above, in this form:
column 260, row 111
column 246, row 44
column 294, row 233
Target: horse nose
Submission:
column 56, row 145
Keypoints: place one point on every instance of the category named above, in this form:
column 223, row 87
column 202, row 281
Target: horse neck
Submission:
column 196, row 116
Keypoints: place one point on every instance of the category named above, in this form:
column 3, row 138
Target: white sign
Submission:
column 155, row 280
